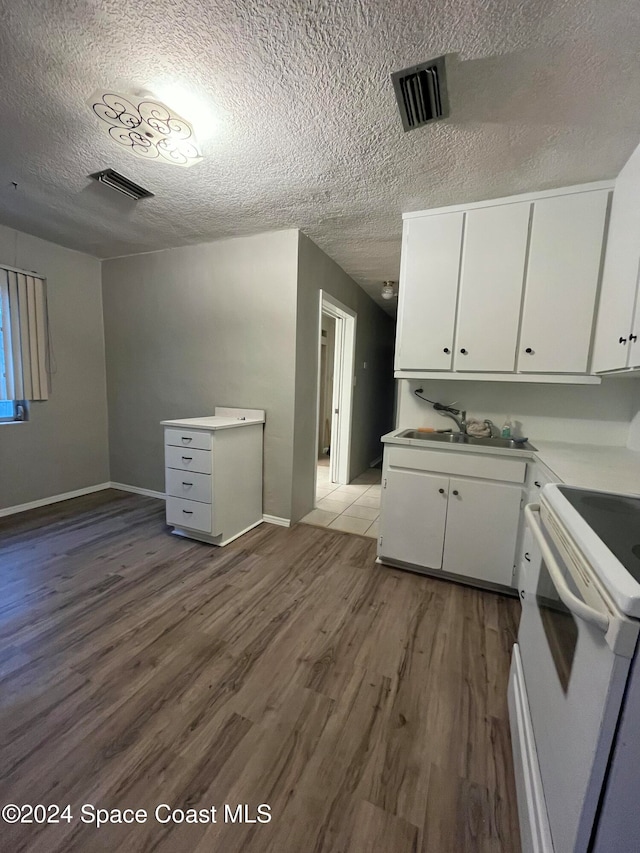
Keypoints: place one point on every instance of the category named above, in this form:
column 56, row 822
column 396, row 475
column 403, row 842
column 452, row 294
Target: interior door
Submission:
column 482, row 528
column 428, row 291
column 561, row 283
column 491, row 281
column 413, row 516
column 336, row 437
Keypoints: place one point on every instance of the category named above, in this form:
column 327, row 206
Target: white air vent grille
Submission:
column 123, row 185
column 421, row 92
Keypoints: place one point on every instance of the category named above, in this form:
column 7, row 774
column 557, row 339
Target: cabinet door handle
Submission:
column 529, row 351
column 463, row 351
column 527, row 557
column 633, row 338
column 455, row 492
column 446, row 350
column 622, row 340
column 536, row 484
column 521, row 593
column 441, row 491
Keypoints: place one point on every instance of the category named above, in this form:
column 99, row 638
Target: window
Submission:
column 24, row 359
column 8, row 408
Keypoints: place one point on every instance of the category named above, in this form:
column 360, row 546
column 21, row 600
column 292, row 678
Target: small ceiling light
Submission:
column 147, row 128
column 388, row 289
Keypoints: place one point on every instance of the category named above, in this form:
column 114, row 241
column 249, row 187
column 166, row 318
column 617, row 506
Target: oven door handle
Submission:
column 575, row 604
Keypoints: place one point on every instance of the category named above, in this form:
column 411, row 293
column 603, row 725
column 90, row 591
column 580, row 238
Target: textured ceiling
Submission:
column 543, row 93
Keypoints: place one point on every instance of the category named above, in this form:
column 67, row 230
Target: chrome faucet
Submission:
column 494, row 432
column 450, row 412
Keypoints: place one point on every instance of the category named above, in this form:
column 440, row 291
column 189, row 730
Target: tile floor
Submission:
column 353, row 509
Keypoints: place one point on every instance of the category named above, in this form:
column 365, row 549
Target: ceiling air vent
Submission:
column 421, row 92
column 123, row 185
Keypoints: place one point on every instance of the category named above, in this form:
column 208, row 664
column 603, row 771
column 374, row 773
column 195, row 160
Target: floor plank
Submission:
column 366, row 706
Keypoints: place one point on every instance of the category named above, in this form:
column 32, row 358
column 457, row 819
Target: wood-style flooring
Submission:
column 366, row 706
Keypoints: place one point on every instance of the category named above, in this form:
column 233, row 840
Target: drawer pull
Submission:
column 186, row 484
column 188, row 511
column 527, row 557
column 536, row 484
column 186, row 438
column 187, row 458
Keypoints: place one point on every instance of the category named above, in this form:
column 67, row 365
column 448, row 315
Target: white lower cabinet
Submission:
column 413, row 522
column 462, row 525
column 481, row 530
column 213, row 474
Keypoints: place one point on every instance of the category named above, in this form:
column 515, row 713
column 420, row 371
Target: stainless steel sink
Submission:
column 459, row 438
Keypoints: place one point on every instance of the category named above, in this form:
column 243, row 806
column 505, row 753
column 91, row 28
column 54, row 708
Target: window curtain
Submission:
column 25, row 337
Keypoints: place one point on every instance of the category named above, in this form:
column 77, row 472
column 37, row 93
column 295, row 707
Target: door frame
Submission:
column 343, row 383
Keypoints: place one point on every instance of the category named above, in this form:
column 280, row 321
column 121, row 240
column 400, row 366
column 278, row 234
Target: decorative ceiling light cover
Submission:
column 147, row 128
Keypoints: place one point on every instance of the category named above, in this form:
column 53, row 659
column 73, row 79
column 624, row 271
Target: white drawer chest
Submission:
column 213, row 474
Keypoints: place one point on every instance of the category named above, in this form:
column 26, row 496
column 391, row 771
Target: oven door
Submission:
column 574, row 684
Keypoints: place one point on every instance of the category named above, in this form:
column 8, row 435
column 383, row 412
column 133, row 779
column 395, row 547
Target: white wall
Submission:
column 580, row 414
column 634, row 429
column 64, row 445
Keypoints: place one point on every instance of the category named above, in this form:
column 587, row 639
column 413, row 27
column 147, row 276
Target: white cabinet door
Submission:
column 620, row 276
column 482, row 527
column 412, row 518
column 431, row 248
column 561, row 282
column 491, row 280
column 634, row 334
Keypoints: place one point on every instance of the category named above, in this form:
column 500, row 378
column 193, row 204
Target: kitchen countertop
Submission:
column 593, row 466
column 224, row 417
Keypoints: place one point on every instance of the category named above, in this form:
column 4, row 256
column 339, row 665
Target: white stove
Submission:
column 574, row 690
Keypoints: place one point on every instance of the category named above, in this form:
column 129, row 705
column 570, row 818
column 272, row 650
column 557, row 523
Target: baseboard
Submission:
column 274, row 519
column 137, row 490
column 375, row 462
column 54, row 499
column 123, row 487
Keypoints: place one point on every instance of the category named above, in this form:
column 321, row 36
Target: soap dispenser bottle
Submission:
column 507, row 427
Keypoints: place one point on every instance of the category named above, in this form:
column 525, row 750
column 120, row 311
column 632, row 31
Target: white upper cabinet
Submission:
column 493, row 265
column 634, row 346
column 504, row 289
column 428, row 291
column 562, row 282
column 616, row 344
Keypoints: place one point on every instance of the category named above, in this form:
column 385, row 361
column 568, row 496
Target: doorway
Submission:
column 336, row 364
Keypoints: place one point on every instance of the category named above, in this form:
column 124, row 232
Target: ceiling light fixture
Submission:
column 388, row 289
column 147, row 128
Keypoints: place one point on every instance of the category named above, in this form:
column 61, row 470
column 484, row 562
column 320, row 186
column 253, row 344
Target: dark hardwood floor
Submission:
column 366, row 706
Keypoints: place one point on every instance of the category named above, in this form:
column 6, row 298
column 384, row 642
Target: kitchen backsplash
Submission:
column 608, row 413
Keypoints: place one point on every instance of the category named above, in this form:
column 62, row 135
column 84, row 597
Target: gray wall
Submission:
column 64, row 445
column 373, row 395
column 191, row 328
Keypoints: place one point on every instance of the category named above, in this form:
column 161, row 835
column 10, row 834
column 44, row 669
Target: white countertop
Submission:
column 593, row 466
column 224, row 417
